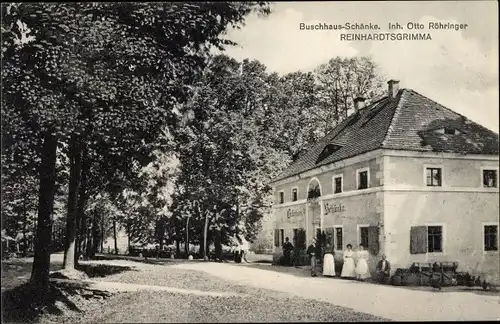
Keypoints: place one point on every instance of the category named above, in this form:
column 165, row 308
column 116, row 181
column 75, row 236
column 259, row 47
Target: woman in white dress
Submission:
column 362, row 270
column 348, row 266
column 328, row 262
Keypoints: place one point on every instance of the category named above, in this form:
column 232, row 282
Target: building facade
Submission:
column 405, row 177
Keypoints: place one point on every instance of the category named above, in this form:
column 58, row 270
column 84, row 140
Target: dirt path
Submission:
column 385, row 301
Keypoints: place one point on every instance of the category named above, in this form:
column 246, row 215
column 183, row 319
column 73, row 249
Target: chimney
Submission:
column 393, row 88
column 359, row 103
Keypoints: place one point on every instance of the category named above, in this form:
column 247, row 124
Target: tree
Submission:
column 88, row 64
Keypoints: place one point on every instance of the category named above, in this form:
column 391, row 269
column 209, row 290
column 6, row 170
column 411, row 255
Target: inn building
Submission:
column 405, row 177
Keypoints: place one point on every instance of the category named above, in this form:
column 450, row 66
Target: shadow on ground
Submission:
column 23, row 305
column 102, row 270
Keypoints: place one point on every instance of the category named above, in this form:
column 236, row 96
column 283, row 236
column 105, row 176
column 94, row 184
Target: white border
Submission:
column 358, row 171
column 433, row 166
column 291, row 193
column 483, row 224
column 358, row 234
column 335, row 176
column 443, row 239
column 492, row 168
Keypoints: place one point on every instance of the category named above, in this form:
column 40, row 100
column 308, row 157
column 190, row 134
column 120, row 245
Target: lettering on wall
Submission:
column 295, row 213
column 334, row 208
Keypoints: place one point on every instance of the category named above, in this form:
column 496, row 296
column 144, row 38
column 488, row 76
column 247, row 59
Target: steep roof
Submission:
column 410, row 121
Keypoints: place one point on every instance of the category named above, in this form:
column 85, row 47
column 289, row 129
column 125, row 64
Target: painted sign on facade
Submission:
column 295, row 213
column 331, row 208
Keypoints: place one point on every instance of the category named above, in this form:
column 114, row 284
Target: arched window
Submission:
column 314, row 189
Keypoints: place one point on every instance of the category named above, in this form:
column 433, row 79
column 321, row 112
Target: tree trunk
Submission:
column 88, row 247
column 75, row 152
column 102, row 234
column 186, row 244
column 218, row 244
column 95, row 236
column 47, row 173
column 25, row 241
column 128, row 236
column 161, row 233
column 82, row 199
column 114, row 236
column 205, row 233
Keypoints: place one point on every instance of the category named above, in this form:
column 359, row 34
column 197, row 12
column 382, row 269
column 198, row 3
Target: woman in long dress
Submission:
column 328, row 262
column 348, row 266
column 362, row 270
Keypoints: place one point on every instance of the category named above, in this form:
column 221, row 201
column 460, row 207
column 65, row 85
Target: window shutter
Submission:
column 276, row 237
column 418, row 239
column 373, row 243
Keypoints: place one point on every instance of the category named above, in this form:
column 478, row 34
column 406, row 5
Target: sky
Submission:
column 458, row 69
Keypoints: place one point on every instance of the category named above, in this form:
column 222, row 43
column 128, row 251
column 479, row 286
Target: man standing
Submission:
column 287, row 250
column 383, row 269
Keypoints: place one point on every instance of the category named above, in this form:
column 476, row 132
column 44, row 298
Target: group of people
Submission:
column 355, row 265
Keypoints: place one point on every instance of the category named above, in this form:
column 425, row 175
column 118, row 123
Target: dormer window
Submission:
column 448, row 131
column 327, row 151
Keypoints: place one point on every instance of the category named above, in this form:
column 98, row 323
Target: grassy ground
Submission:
column 254, row 305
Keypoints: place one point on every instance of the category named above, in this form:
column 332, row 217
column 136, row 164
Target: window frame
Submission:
column 335, row 241
column 358, row 171
column 291, row 190
column 443, row 238
column 336, row 176
column 359, row 226
column 433, row 166
column 483, row 225
column 487, row 168
column 279, row 197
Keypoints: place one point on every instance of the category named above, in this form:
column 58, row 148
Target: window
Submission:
column 490, row 237
column 277, row 238
column 339, row 238
column 363, row 178
column 327, row 151
column 433, row 176
column 490, row 178
column 426, row 239
column 451, row 131
column 282, row 197
column 282, row 236
column 363, row 236
column 368, row 236
column 294, row 194
column 434, row 239
column 337, row 184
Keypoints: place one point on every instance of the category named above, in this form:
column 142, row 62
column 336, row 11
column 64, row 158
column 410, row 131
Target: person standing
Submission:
column 287, row 251
column 383, row 270
column 329, row 262
column 348, row 266
column 312, row 258
column 362, row 270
